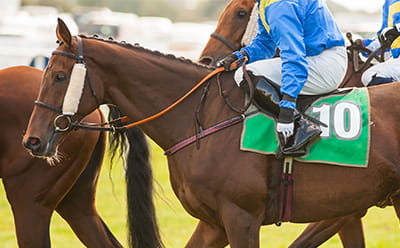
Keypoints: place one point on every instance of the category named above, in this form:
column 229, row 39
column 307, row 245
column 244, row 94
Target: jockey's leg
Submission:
column 386, row 72
column 376, row 80
column 266, row 98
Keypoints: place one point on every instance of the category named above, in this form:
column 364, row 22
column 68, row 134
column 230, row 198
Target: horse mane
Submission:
column 137, row 46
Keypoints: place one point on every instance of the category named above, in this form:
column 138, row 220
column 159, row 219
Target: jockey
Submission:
column 313, row 60
column 388, row 35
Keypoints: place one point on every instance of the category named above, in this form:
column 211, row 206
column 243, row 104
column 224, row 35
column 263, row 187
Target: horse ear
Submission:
column 63, row 33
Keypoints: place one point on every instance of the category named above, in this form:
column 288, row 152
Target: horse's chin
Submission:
column 52, row 156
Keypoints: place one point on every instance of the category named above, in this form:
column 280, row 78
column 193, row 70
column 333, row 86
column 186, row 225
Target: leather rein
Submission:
column 124, row 121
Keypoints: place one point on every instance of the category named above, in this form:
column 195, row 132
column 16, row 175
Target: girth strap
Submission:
column 286, row 191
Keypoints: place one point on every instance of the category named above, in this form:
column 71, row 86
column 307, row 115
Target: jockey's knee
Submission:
column 366, row 78
column 377, row 80
column 238, row 76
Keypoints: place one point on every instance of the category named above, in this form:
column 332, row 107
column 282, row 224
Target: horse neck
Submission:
column 146, row 83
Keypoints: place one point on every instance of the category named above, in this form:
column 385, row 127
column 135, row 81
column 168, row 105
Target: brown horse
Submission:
column 232, row 25
column 232, row 196
column 34, row 189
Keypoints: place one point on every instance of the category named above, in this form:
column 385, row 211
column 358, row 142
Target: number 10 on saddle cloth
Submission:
column 344, row 141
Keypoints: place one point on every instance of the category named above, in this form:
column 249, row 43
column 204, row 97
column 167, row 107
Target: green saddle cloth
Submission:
column 345, row 140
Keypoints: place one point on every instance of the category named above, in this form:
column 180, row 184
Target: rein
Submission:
column 200, row 132
column 205, row 79
column 250, row 86
column 354, row 50
column 75, row 124
column 366, row 64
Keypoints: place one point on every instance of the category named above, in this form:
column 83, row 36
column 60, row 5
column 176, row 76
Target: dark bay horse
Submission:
column 232, row 196
column 34, row 189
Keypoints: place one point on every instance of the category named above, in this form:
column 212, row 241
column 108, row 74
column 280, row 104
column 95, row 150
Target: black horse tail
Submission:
column 143, row 227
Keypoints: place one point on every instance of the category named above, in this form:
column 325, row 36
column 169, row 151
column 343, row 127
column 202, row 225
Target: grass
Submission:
column 380, row 225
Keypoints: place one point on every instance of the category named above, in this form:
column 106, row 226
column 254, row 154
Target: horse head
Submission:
column 233, row 26
column 60, row 103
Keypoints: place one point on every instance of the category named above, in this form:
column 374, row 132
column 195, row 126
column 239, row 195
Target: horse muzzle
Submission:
column 39, row 148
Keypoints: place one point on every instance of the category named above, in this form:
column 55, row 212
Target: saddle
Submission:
column 266, row 99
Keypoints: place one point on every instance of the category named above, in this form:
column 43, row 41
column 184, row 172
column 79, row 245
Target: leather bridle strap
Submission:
column 78, row 57
column 225, row 41
column 48, row 106
column 82, row 125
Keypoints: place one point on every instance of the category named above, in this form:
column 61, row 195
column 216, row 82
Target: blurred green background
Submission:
column 380, row 225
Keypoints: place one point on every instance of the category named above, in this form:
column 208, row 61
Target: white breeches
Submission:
column 387, row 69
column 325, row 71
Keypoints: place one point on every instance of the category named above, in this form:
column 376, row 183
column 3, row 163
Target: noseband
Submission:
column 225, row 41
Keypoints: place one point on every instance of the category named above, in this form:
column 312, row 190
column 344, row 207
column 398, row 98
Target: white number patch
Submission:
column 344, row 119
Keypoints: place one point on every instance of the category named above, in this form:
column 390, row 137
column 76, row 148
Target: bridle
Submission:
column 123, row 122
column 206, row 59
column 250, row 26
column 72, row 123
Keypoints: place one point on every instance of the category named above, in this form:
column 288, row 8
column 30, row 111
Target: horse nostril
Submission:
column 32, row 143
column 206, row 60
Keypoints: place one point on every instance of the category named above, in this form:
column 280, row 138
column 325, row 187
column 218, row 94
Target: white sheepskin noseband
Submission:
column 252, row 26
column 75, row 88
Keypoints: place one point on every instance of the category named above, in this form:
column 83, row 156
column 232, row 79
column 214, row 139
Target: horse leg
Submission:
column 31, row 219
column 32, row 228
column 78, row 206
column 79, row 211
column 242, row 228
column 207, row 235
column 352, row 235
column 395, row 199
column 317, row 233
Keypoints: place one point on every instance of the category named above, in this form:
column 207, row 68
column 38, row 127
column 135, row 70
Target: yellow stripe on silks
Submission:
column 393, row 9
column 263, row 5
column 395, row 43
column 75, row 88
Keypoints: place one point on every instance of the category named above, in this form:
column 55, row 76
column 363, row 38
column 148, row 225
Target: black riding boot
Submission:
column 305, row 131
column 267, row 98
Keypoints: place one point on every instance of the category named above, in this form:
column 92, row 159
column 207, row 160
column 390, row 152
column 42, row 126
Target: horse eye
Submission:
column 241, row 13
column 59, row 77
